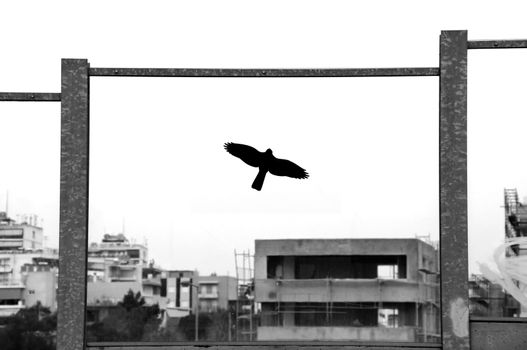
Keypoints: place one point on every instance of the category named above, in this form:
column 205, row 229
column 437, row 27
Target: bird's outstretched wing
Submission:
column 246, row 153
column 284, row 167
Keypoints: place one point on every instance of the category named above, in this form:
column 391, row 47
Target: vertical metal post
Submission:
column 453, row 190
column 73, row 204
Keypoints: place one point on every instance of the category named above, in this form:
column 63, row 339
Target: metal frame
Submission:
column 453, row 242
column 263, row 73
column 452, row 71
column 29, row 96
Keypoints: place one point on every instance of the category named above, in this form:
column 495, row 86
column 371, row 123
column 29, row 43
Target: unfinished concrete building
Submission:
column 347, row 289
column 515, row 227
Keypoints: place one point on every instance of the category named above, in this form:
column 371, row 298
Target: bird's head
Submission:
column 269, row 151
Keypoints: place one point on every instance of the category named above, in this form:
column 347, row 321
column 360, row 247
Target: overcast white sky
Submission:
column 369, row 144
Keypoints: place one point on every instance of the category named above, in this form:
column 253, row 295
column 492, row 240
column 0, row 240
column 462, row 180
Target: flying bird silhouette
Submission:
column 266, row 162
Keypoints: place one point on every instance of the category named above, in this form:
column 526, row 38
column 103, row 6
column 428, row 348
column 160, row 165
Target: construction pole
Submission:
column 237, row 295
column 230, row 325
column 196, row 318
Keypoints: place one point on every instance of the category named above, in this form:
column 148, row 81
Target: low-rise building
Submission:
column 28, row 270
column 516, row 226
column 24, row 235
column 347, row 289
column 216, row 292
column 116, row 266
column 488, row 299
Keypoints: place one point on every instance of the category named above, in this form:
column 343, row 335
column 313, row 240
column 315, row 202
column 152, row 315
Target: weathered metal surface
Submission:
column 453, row 190
column 498, row 334
column 315, row 345
column 30, row 96
column 264, row 73
column 497, row 44
column 73, row 204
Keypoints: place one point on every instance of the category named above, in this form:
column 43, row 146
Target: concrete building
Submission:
column 28, row 270
column 114, row 267
column 25, row 235
column 41, row 282
column 347, row 289
column 180, row 294
column 216, row 292
column 489, row 299
column 516, row 226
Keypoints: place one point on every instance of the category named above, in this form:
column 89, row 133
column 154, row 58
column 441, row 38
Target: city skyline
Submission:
column 121, row 107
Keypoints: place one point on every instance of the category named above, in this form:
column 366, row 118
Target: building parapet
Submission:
column 344, row 290
column 11, row 283
column 400, row 334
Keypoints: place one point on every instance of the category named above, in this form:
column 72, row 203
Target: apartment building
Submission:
column 216, row 292
column 28, row 270
column 24, row 235
column 181, row 292
column 347, row 289
column 116, row 266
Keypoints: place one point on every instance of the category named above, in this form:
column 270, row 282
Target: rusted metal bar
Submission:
column 498, row 334
column 264, row 345
column 487, row 319
column 73, row 204
column 453, row 190
column 497, row 44
column 30, row 96
column 263, row 73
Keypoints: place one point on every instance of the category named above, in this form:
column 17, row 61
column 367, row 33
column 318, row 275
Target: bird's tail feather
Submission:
column 259, row 180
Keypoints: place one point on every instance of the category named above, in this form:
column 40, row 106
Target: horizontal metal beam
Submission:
column 497, row 44
column 30, row 96
column 263, row 73
column 263, row 345
column 486, row 319
column 497, row 335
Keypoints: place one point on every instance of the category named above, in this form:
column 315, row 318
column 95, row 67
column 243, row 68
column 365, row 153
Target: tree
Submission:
column 212, row 326
column 131, row 320
column 187, row 326
column 31, row 328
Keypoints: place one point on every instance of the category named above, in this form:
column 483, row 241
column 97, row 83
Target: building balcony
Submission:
column 478, row 294
column 8, row 310
column 11, row 283
column 11, row 243
column 6, row 269
column 345, row 290
column 123, row 279
column 211, row 295
column 401, row 334
column 152, row 282
column 12, row 233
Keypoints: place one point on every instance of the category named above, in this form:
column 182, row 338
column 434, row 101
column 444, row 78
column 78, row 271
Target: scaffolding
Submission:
column 423, row 317
column 511, row 204
column 245, row 305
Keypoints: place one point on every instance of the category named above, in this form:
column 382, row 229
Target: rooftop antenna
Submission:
column 6, row 203
column 123, row 226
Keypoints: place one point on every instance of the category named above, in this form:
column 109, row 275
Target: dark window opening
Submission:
column 275, row 267
column 336, row 314
column 358, row 266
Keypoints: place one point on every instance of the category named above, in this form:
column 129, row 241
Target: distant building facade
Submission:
column 181, row 296
column 488, row 299
column 216, row 292
column 116, row 266
column 347, row 289
column 25, row 235
column 516, row 226
column 28, row 270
